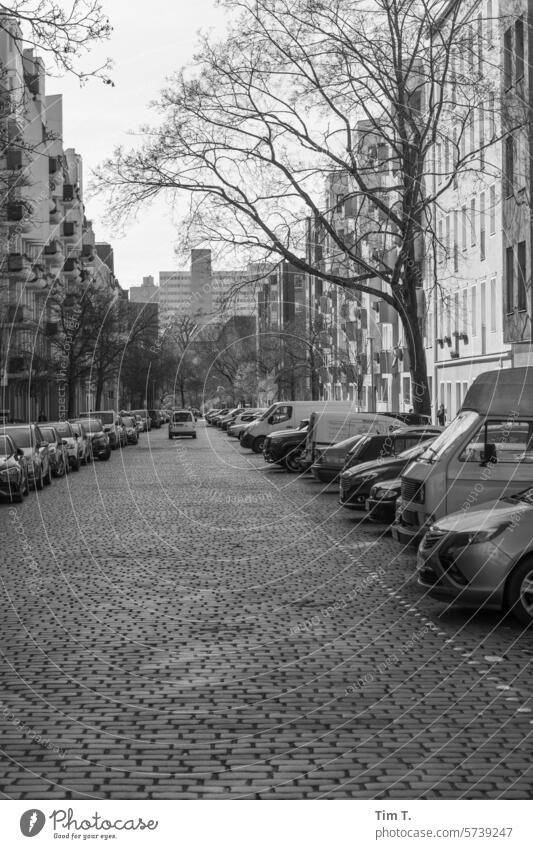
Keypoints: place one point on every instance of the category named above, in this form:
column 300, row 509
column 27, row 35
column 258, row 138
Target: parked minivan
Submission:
column 283, row 415
column 486, row 452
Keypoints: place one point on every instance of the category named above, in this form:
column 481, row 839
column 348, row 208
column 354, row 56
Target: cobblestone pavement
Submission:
column 183, row 622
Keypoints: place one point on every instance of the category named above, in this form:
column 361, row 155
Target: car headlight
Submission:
column 7, row 474
column 463, row 539
column 379, row 492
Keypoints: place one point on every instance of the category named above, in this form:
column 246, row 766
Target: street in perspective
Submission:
column 266, row 411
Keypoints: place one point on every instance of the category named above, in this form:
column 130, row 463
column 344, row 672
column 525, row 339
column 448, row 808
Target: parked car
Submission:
column 328, row 466
column 29, row 438
column 392, row 443
column 482, row 556
column 145, row 419
column 213, row 420
column 84, row 440
column 356, row 482
column 210, row 413
column 132, row 433
column 57, row 448
column 331, row 426
column 156, row 418
column 245, row 417
column 100, row 447
column 229, row 418
column 381, row 504
column 110, row 422
column 74, row 446
column 284, row 415
column 13, row 470
column 285, row 447
column 182, row 423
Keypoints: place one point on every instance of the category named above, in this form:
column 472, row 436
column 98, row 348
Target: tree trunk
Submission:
column 71, row 393
column 413, row 329
column 98, row 393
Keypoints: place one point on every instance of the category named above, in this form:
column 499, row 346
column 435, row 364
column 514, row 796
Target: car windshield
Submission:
column 181, row 417
column 78, row 429
column 48, row 434
column 269, row 411
column 460, row 425
column 5, row 445
column 21, row 436
column 415, row 450
column 128, row 421
column 92, row 425
column 63, row 428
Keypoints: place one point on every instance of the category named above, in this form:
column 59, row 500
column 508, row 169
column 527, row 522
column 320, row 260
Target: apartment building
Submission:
column 479, row 300
column 46, row 243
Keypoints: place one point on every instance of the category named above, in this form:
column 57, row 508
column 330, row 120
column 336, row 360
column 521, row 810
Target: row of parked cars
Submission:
column 462, row 496
column 32, row 454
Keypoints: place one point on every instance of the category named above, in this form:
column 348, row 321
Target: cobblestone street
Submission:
column 184, row 622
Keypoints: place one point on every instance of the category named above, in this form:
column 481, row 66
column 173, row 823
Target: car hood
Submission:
column 485, row 516
column 292, row 431
column 390, row 467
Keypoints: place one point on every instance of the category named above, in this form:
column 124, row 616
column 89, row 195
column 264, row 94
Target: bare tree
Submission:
column 62, row 33
column 302, row 90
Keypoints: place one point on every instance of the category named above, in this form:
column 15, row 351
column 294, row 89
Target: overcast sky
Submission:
column 150, row 41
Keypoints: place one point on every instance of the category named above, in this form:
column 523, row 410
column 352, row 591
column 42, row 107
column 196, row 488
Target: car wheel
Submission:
column 48, row 477
column 75, row 465
column 18, row 496
column 26, row 484
column 170, row 436
column 520, row 591
column 257, row 445
column 39, row 484
column 292, row 460
column 107, row 454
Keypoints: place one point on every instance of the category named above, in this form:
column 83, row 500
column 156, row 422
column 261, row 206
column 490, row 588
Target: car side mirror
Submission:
column 489, row 454
column 271, row 420
column 19, row 453
column 64, row 442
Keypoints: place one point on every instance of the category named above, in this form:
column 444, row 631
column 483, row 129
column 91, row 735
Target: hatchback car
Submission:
column 13, row 470
column 57, row 449
column 482, row 557
column 73, row 444
column 380, row 446
column 110, row 421
column 182, row 423
column 285, row 447
column 29, row 438
column 100, row 447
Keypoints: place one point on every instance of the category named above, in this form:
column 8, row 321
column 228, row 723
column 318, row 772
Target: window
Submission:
column 521, row 277
column 440, row 249
column 481, row 126
column 500, row 442
column 464, row 316
column 509, row 278
column 508, row 177
column 447, row 240
column 464, row 217
column 482, row 226
column 493, row 305
column 519, row 48
column 473, row 222
column 474, row 311
column 282, row 414
column 492, row 210
column 508, row 58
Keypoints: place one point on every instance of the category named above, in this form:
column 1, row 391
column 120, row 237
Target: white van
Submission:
column 283, row 415
column 484, row 453
column 328, row 427
column 182, row 423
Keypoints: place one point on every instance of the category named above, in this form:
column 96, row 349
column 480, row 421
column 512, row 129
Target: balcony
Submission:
column 18, row 266
column 71, row 194
column 53, row 255
column 18, row 314
column 71, row 269
column 55, row 214
column 87, row 253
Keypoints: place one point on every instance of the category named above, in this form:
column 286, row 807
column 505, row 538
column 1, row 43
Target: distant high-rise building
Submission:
column 147, row 293
column 105, row 252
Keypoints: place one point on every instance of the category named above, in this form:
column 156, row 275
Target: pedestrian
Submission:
column 42, row 416
column 441, row 415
